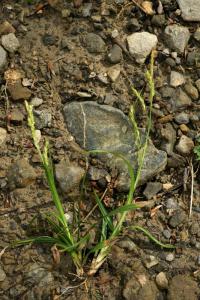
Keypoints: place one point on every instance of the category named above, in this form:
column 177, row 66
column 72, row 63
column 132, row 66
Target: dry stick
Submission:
column 192, row 188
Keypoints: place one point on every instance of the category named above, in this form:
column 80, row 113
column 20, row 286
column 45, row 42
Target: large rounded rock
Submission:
column 106, row 128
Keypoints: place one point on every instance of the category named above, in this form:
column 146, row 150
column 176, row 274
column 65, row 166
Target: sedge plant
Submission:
column 112, row 228
column 112, row 222
column 63, row 236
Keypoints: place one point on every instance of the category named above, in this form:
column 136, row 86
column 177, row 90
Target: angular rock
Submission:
column 152, row 189
column 49, row 39
column 36, row 101
column 170, row 257
column 20, row 174
column 43, row 118
column 135, row 291
column 10, row 42
column 114, row 72
column 181, row 99
column 3, row 59
column 169, row 138
column 177, row 219
column 190, row 9
column 177, row 37
column 68, row 176
column 106, row 128
column 6, row 28
column 197, row 35
column 182, row 118
column 133, row 25
column 183, row 287
column 115, row 54
column 37, row 275
column 191, row 90
column 87, row 10
column 2, row 274
column 184, row 128
column 141, row 44
column 3, row 135
column 185, row 145
column 19, row 92
column 176, row 79
column 162, row 281
column 94, row 43
column 198, row 84
column 158, row 20
column 16, row 116
column 171, row 204
column 96, row 173
column 193, row 58
column 151, row 261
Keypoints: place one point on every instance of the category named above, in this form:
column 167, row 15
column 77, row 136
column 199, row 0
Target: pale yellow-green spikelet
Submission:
column 140, row 98
column 134, row 124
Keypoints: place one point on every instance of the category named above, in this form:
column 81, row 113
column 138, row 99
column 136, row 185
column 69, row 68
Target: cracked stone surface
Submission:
column 103, row 127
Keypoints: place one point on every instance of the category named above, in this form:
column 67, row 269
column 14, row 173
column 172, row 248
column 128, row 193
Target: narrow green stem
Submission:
column 57, row 200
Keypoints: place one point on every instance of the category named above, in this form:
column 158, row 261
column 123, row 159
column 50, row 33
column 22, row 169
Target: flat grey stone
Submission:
column 102, row 127
column 177, row 37
column 141, row 44
column 190, row 9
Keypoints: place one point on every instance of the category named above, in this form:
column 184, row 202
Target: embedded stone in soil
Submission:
column 20, row 174
column 102, row 127
column 183, row 287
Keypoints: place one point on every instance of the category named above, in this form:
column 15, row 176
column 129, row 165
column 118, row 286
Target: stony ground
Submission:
column 75, row 62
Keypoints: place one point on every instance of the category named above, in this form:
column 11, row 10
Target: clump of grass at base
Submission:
column 64, row 237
